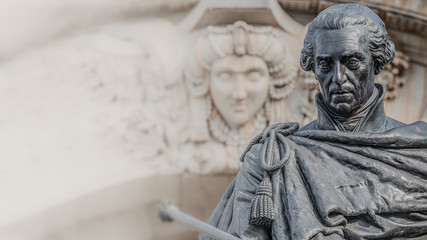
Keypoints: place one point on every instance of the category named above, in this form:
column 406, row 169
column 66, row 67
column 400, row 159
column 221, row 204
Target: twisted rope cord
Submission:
column 262, row 211
column 272, row 131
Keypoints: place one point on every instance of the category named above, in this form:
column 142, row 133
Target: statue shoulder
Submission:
column 391, row 123
column 310, row 126
column 252, row 156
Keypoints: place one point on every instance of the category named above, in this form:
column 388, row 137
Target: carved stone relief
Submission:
column 238, row 79
column 392, row 75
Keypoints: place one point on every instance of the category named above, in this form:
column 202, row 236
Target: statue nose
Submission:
column 240, row 91
column 339, row 74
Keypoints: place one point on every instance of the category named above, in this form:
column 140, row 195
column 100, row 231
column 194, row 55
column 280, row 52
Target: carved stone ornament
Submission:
column 392, row 76
column 238, row 79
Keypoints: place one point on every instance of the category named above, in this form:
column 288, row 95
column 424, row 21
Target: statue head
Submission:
column 345, row 46
column 239, row 87
column 239, row 75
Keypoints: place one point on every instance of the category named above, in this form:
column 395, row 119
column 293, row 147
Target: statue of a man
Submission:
column 353, row 173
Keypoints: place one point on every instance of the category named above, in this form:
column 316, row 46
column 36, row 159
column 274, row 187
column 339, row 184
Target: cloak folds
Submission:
column 335, row 185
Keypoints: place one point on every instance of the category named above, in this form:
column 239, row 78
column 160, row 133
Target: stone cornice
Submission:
column 411, row 17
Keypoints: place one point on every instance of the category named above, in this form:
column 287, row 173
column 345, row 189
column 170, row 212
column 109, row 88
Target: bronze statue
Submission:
column 353, row 173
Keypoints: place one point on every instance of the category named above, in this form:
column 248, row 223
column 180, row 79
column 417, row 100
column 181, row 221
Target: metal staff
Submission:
column 169, row 212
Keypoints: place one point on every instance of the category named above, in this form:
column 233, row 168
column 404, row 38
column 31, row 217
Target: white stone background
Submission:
column 81, row 90
column 79, row 97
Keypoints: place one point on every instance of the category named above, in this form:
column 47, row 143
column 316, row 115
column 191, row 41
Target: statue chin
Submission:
column 237, row 119
column 236, row 123
column 342, row 108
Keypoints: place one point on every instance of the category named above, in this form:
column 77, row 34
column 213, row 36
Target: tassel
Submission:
column 261, row 213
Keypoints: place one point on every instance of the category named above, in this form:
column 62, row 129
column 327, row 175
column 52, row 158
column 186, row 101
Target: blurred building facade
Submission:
column 109, row 108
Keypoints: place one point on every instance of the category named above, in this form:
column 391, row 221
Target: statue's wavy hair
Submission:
column 344, row 16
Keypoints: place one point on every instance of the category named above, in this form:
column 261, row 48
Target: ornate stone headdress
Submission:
column 217, row 42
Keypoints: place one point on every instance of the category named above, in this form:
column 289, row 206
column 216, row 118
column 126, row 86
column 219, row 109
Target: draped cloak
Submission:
column 365, row 185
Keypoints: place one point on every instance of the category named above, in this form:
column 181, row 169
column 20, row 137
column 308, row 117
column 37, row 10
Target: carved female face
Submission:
column 239, row 87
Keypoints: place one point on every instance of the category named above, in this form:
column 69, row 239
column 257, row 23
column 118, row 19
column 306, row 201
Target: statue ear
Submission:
column 306, row 62
column 386, row 58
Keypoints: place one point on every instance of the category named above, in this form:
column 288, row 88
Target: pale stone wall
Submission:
column 86, row 112
column 127, row 210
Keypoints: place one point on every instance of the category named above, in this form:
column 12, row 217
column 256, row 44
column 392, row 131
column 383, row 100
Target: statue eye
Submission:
column 353, row 63
column 255, row 75
column 324, row 65
column 225, row 75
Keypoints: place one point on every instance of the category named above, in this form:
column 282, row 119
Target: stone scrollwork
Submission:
column 238, row 77
column 392, row 75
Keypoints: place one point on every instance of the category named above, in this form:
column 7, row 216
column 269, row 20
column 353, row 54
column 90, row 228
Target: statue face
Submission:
column 239, row 87
column 344, row 68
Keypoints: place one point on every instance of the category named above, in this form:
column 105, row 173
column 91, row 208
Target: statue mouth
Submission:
column 240, row 106
column 341, row 92
column 343, row 97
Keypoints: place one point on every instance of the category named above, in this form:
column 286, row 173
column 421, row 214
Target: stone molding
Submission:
column 412, row 18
